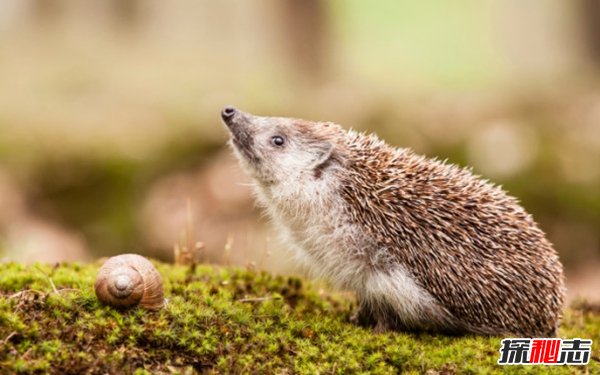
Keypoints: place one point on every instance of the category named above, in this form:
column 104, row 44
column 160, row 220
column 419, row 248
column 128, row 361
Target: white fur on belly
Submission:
column 397, row 289
column 333, row 249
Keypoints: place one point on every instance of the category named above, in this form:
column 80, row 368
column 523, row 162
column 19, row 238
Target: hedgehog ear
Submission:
column 324, row 156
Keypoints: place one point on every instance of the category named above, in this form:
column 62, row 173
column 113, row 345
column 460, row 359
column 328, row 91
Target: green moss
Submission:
column 225, row 320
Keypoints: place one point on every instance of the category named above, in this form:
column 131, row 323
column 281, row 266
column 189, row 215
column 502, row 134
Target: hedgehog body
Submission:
column 425, row 245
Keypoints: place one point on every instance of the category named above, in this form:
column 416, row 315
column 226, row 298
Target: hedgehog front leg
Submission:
column 363, row 316
column 382, row 326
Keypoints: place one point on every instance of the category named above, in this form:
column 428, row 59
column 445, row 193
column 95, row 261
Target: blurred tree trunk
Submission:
column 305, row 35
column 590, row 11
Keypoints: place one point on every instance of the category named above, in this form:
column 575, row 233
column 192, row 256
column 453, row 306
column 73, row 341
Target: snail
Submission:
column 130, row 280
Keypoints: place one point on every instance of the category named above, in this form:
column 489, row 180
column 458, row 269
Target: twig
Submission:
column 264, row 254
column 69, row 290
column 57, row 291
column 49, row 279
column 227, row 251
column 26, row 354
column 10, row 336
column 188, row 251
column 293, row 351
column 19, row 294
column 257, row 299
column 190, row 224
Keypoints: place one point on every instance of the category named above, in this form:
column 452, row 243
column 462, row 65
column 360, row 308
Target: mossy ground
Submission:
column 225, row 320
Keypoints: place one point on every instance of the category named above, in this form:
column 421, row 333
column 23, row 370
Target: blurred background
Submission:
column 111, row 142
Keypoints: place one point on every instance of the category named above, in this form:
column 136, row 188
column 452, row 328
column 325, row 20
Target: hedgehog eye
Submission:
column 277, row 140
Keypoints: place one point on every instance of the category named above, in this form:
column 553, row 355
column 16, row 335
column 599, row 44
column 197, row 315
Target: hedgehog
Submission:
column 425, row 245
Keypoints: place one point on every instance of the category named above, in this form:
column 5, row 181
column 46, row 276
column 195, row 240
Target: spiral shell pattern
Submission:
column 130, row 280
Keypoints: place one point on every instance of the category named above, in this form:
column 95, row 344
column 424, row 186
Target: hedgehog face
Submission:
column 278, row 151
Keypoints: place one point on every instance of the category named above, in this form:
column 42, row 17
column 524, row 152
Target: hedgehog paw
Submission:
column 362, row 317
column 382, row 326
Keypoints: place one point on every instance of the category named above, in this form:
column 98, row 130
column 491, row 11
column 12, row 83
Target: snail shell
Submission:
column 130, row 280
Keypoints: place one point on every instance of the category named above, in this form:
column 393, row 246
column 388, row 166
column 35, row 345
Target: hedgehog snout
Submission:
column 227, row 114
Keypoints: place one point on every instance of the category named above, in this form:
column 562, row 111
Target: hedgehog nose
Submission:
column 227, row 114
